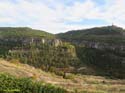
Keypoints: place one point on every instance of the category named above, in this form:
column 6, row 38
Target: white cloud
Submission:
column 51, row 15
column 86, row 10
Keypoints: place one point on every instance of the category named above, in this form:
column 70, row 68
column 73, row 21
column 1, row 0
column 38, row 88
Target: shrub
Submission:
column 11, row 84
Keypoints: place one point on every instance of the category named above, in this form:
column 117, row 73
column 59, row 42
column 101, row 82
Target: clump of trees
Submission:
column 106, row 62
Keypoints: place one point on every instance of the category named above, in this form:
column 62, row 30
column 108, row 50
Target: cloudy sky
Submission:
column 61, row 15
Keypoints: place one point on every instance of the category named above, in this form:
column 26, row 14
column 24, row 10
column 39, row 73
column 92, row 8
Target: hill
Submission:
column 43, row 50
column 102, row 47
column 38, row 49
column 23, row 32
column 76, row 83
column 111, row 34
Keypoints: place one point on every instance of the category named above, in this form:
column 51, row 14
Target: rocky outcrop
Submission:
column 99, row 45
column 28, row 41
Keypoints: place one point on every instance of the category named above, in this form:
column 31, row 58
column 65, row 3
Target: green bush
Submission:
column 11, row 84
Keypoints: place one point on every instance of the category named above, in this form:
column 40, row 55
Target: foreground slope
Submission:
column 85, row 83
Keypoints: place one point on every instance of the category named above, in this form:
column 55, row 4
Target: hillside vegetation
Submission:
column 102, row 48
column 7, row 32
column 48, row 54
column 53, row 55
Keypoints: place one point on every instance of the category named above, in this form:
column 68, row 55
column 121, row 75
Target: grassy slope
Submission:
column 91, row 84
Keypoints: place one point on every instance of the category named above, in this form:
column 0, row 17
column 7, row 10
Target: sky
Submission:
column 57, row 16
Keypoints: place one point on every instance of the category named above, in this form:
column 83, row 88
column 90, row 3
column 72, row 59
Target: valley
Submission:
column 82, row 61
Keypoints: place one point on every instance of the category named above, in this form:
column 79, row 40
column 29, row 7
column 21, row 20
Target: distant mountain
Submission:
column 106, row 34
column 23, row 32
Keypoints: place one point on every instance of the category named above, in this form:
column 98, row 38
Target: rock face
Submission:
column 99, row 45
column 54, row 42
column 25, row 41
column 107, row 37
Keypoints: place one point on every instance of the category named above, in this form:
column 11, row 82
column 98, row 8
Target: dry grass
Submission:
column 84, row 83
